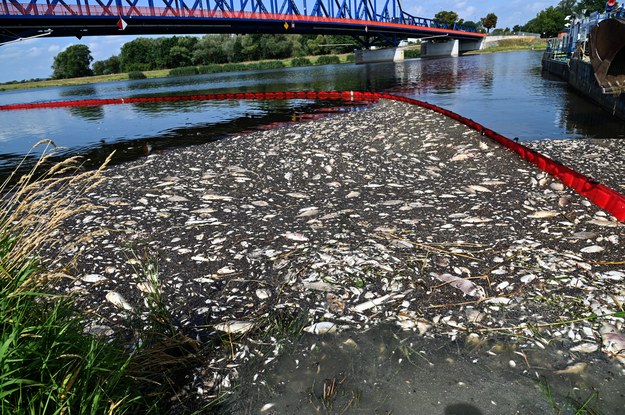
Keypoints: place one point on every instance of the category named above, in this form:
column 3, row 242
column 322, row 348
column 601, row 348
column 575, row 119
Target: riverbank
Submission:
column 391, row 215
column 411, row 52
column 160, row 73
column 513, row 45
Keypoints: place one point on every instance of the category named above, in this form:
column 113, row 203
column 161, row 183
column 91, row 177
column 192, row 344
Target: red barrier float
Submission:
column 606, row 198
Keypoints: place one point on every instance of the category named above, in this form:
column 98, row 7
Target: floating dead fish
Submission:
column 295, row 236
column 298, row 195
column 309, row 211
column 212, row 196
column 585, row 348
column 118, row 301
column 479, row 188
column 324, row 327
column 592, row 249
column 371, row 303
column 93, row 278
column 466, row 286
column 543, row 214
column 235, row 327
column 575, row 369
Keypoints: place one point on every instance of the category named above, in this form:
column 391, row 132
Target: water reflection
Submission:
column 91, row 113
column 78, row 91
column 504, row 91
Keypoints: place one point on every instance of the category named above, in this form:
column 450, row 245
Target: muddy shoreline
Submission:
column 390, row 214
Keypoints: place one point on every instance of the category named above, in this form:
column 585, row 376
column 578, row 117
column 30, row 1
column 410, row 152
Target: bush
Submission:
column 328, row 60
column 412, row 53
column 350, row 58
column 184, row 71
column 301, row 62
column 136, row 75
column 268, row 65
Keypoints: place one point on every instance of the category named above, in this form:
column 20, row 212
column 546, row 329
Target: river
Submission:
column 505, row 92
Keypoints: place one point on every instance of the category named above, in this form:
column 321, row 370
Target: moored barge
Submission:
column 590, row 56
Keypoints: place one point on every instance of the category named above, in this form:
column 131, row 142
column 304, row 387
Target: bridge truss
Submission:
column 370, row 21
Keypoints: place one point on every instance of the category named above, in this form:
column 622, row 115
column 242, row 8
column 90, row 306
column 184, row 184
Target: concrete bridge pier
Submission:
column 379, row 55
column 450, row 47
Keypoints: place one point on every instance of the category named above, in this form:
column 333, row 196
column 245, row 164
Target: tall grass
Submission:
column 48, row 363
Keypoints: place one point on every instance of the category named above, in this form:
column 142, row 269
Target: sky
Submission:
column 33, row 58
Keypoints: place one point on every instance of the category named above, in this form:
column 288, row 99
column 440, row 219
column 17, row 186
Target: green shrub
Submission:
column 269, row 65
column 350, row 58
column 412, row 53
column 184, row 71
column 134, row 75
column 49, row 364
column 301, row 62
column 328, row 60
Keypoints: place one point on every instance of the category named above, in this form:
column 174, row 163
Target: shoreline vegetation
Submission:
column 505, row 45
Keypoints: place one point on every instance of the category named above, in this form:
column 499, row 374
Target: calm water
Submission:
column 504, row 91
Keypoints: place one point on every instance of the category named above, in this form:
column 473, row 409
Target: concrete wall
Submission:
column 379, row 55
column 451, row 47
column 439, row 49
column 582, row 78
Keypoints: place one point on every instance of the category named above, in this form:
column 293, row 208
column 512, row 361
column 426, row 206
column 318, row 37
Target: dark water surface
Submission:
column 504, row 91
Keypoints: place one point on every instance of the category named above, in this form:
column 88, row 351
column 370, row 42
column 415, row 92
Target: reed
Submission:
column 48, row 362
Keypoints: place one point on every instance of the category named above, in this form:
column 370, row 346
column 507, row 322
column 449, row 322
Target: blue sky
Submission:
column 33, row 58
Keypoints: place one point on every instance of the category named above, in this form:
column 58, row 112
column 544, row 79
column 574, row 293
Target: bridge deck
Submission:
column 60, row 19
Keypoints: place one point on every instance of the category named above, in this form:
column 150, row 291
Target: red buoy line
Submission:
column 604, row 197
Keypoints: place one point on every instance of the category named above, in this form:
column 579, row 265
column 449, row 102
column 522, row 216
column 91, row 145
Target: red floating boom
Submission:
column 604, row 197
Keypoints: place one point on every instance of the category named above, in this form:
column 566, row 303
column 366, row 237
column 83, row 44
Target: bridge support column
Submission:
column 379, row 55
column 451, row 47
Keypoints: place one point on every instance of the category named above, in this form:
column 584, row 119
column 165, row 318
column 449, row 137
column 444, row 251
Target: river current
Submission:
column 505, row 92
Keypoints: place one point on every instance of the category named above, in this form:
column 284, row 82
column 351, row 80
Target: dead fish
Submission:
column 118, row 301
column 324, row 327
column 542, row 214
column 466, row 286
column 295, row 236
column 235, row 327
column 212, row 196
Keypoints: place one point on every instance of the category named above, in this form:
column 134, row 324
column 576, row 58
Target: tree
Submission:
column 448, row 18
column 107, row 66
column 73, row 62
column 489, row 22
column 590, row 6
column 138, row 55
column 548, row 22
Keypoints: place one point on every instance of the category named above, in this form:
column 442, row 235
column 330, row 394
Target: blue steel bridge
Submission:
column 371, row 22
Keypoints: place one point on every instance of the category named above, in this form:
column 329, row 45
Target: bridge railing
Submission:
column 80, row 10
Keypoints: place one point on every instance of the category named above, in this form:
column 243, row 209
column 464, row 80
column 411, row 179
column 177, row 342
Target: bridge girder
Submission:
column 387, row 21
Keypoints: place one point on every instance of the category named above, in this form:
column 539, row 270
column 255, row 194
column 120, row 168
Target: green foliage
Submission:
column 73, row 62
column 135, row 75
column 137, row 55
column 228, row 67
column 490, row 21
column 590, row 6
column 350, row 58
column 185, row 71
column 107, row 66
column 412, row 53
column 448, row 18
column 301, row 62
column 548, row 22
column 327, row 60
column 48, row 364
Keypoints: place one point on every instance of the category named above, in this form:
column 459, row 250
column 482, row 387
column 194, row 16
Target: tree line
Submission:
column 550, row 21
column 145, row 54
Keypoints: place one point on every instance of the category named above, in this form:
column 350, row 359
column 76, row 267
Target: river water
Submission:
column 385, row 372
column 505, row 92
